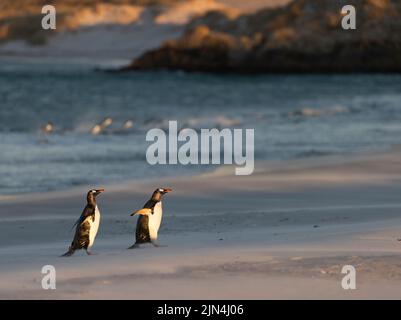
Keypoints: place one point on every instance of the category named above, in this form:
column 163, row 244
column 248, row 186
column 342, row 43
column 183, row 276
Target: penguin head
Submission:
column 48, row 128
column 159, row 192
column 163, row 191
column 93, row 193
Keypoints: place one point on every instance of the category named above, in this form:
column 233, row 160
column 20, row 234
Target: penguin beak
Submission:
column 99, row 191
column 167, row 190
column 143, row 212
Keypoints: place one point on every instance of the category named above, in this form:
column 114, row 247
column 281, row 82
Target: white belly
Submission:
column 94, row 227
column 155, row 220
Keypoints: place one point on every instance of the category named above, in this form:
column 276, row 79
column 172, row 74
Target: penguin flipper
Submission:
column 89, row 210
column 75, row 224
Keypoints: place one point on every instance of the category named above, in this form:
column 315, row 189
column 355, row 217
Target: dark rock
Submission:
column 303, row 37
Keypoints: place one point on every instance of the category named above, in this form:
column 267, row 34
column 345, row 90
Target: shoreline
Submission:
column 262, row 167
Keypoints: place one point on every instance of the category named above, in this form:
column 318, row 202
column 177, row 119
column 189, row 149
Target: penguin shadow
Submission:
column 142, row 246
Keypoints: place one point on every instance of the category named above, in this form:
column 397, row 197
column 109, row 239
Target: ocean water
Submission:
column 293, row 117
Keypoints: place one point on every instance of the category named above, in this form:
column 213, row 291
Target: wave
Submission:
column 211, row 122
column 119, row 125
column 313, row 153
column 318, row 112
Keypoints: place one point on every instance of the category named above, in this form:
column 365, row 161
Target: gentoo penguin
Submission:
column 87, row 225
column 99, row 128
column 47, row 128
column 150, row 218
column 127, row 125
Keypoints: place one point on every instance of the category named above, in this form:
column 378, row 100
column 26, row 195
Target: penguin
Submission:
column 125, row 128
column 150, row 217
column 47, row 128
column 107, row 122
column 127, row 125
column 45, row 131
column 99, row 128
column 87, row 225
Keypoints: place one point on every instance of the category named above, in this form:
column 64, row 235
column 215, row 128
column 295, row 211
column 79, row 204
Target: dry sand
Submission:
column 284, row 232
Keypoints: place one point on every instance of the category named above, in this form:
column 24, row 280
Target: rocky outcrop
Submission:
column 303, row 37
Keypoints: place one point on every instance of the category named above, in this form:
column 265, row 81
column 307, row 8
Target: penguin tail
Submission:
column 69, row 253
column 134, row 246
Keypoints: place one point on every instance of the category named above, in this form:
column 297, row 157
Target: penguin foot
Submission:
column 69, row 253
column 156, row 245
column 135, row 246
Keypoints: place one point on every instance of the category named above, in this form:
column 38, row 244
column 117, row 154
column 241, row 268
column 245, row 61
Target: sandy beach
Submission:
column 87, row 85
column 284, row 232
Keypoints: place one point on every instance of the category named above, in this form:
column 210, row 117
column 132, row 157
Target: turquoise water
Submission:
column 293, row 117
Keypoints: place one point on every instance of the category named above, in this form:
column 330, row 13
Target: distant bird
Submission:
column 127, row 125
column 107, row 122
column 98, row 128
column 47, row 128
column 87, row 225
column 150, row 217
